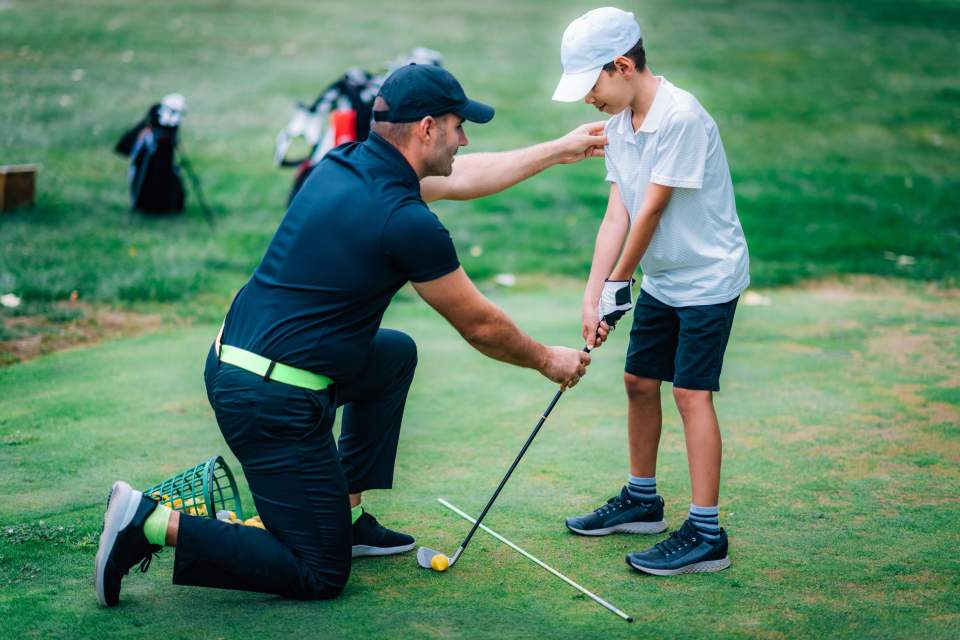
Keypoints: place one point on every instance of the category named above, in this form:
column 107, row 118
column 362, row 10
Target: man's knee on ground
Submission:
column 639, row 388
column 689, row 400
column 321, row 586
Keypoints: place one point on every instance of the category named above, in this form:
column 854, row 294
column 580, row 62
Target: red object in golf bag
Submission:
column 343, row 128
column 343, row 123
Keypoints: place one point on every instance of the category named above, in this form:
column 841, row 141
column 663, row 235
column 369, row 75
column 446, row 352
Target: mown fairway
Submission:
column 840, row 485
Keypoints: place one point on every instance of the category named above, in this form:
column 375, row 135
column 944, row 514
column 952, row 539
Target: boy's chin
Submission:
column 612, row 110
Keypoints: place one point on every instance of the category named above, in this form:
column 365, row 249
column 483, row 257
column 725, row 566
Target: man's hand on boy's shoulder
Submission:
column 586, row 141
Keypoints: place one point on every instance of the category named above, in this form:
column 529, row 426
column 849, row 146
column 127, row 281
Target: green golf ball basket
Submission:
column 201, row 490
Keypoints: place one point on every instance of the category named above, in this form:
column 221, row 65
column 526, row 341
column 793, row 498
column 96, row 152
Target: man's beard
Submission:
column 442, row 163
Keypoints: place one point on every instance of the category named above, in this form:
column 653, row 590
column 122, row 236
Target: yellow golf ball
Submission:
column 440, row 562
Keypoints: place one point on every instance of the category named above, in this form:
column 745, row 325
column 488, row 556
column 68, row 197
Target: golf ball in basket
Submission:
column 440, row 562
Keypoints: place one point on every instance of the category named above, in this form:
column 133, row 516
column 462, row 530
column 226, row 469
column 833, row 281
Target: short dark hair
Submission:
column 636, row 53
column 397, row 133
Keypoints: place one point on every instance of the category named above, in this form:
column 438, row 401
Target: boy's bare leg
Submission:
column 644, row 421
column 638, row 508
column 704, row 446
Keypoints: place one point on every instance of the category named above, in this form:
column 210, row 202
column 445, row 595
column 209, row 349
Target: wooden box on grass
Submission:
column 17, row 185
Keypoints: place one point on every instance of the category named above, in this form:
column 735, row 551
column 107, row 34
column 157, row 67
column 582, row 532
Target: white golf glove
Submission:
column 615, row 300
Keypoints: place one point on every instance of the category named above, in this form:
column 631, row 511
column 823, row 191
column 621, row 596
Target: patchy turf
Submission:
column 841, row 417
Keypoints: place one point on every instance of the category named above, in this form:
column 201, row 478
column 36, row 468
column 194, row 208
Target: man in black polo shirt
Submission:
column 303, row 338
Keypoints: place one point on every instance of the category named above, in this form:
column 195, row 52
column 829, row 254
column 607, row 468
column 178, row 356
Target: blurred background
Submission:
column 840, row 121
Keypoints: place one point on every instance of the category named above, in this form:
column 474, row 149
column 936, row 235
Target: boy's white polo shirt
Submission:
column 698, row 253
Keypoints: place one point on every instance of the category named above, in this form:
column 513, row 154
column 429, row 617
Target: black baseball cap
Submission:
column 420, row 90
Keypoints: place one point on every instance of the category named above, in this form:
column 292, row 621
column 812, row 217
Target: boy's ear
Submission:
column 625, row 65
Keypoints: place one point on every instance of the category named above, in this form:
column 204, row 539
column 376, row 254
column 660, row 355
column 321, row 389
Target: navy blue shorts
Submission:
column 682, row 345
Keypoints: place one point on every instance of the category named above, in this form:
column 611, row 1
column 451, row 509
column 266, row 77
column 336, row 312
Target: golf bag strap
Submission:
column 273, row 370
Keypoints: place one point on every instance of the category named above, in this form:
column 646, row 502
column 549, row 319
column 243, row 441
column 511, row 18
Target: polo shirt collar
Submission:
column 658, row 109
column 392, row 157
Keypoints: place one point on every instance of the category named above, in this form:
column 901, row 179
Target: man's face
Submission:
column 611, row 94
column 450, row 137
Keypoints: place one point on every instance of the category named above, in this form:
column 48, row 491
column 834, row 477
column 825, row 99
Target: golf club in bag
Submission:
column 425, row 555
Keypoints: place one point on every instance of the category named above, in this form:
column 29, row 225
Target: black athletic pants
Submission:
column 282, row 435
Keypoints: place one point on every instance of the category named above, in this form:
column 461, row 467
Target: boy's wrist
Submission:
column 620, row 274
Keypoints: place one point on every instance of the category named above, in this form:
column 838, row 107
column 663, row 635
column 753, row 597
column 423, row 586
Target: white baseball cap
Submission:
column 591, row 41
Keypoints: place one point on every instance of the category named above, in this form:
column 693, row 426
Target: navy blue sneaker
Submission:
column 370, row 538
column 685, row 551
column 621, row 514
column 122, row 544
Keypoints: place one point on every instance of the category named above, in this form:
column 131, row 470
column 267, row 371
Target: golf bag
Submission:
column 154, row 175
column 341, row 113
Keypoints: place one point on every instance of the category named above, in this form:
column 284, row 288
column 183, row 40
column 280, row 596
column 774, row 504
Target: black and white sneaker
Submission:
column 370, row 538
column 122, row 544
column 685, row 551
column 621, row 514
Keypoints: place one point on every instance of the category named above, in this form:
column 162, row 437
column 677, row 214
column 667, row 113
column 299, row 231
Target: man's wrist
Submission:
column 554, row 152
column 542, row 357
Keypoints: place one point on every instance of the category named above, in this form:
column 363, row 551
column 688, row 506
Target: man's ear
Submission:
column 426, row 128
column 625, row 65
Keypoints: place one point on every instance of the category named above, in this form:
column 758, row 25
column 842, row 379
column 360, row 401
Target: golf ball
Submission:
column 440, row 562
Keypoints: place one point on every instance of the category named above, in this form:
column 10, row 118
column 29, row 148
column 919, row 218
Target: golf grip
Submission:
column 516, row 461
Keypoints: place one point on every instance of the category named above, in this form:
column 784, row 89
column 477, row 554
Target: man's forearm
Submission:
column 480, row 174
column 497, row 336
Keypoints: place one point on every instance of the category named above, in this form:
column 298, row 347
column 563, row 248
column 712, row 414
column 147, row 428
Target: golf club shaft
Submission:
column 516, row 461
column 529, row 556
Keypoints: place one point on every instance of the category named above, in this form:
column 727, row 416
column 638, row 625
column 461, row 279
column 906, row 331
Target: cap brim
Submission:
column 574, row 86
column 476, row 112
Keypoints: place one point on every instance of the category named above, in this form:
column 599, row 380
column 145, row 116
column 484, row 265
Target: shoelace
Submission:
column 613, row 504
column 677, row 541
column 145, row 563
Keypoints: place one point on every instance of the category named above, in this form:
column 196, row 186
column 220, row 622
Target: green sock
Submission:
column 155, row 526
column 355, row 512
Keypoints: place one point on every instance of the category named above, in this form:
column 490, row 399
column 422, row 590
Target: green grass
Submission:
column 839, row 490
column 840, row 405
column 839, row 120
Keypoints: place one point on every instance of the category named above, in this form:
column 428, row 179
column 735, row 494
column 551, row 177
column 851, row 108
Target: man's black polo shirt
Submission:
column 355, row 233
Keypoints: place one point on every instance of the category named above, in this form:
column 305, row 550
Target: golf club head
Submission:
column 425, row 556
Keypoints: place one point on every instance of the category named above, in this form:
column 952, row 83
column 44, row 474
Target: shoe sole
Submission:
column 121, row 507
column 707, row 566
column 364, row 550
column 628, row 527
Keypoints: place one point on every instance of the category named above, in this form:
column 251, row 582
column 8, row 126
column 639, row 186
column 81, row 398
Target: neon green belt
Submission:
column 273, row 370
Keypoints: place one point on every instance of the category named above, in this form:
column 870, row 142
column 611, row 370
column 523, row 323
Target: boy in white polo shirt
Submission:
column 671, row 211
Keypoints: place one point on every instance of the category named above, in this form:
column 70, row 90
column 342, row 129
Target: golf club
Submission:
column 530, row 556
column 432, row 559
